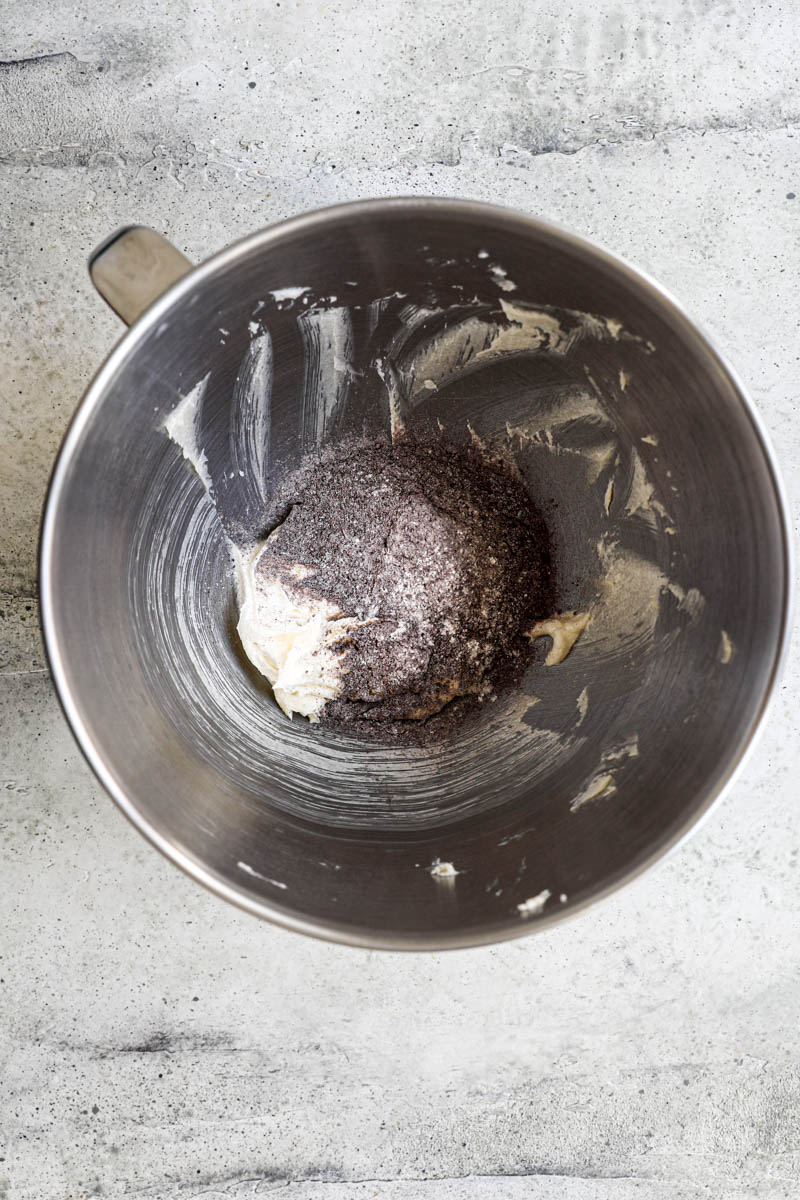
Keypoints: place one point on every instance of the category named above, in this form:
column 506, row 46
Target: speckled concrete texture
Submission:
column 156, row 1043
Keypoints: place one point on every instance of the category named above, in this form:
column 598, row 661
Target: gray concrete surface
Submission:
column 154, row 1042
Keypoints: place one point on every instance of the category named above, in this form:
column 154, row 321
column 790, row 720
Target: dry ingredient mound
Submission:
column 445, row 558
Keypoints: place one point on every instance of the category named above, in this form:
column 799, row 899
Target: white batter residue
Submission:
column 534, row 905
column 248, row 870
column 726, row 648
column 500, row 276
column 583, row 704
column 609, row 496
column 443, row 870
column 640, row 496
column 182, row 426
column 627, row 610
column 397, row 423
column 541, row 329
column 529, row 329
column 690, row 600
column 289, row 637
column 603, row 782
column 564, row 631
column 598, row 785
column 289, row 293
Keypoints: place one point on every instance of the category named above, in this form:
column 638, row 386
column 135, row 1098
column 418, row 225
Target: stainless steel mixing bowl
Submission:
column 562, row 792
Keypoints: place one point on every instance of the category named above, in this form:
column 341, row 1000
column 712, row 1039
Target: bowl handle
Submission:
column 133, row 267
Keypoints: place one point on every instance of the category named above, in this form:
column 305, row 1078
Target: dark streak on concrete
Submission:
column 273, row 1175
column 160, row 1041
column 8, row 66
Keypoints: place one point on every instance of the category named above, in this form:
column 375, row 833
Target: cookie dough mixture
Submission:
column 400, row 582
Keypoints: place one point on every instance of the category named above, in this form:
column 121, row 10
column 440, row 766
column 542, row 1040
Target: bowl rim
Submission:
column 332, row 931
